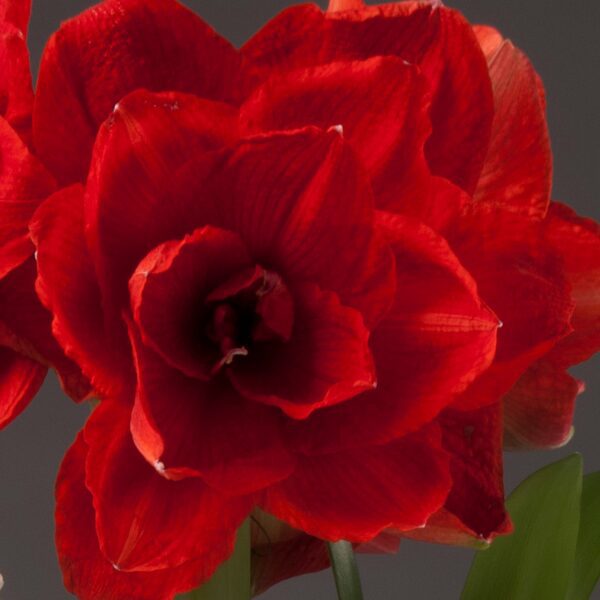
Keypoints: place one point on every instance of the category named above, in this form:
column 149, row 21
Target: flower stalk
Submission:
column 345, row 570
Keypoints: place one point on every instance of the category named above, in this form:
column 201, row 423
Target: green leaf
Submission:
column 345, row 571
column 536, row 561
column 586, row 570
column 232, row 579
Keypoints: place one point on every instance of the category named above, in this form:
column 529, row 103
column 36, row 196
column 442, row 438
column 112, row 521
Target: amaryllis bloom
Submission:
column 27, row 347
column 283, row 269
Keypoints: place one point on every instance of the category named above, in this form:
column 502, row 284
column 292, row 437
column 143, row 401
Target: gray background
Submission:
column 562, row 40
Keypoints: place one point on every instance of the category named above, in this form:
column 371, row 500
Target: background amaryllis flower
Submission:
column 27, row 347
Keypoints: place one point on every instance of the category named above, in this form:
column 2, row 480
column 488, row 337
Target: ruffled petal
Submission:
column 523, row 280
column 20, row 379
column 186, row 427
column 158, row 45
column 354, row 495
column 16, row 92
column 474, row 512
column 387, row 129
column 538, row 410
column 436, row 340
column 517, row 173
column 437, row 39
column 68, row 287
column 87, row 572
column 145, row 522
column 304, row 209
column 24, row 183
column 131, row 181
column 326, row 361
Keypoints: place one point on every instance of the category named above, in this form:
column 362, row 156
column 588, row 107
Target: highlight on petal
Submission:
column 20, row 379
column 517, row 172
column 87, row 572
column 338, row 5
column 159, row 45
column 145, row 522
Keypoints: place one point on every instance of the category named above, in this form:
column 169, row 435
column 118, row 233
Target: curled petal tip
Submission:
column 340, row 5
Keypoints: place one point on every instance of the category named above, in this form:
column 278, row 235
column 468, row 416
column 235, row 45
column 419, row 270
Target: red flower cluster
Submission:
column 284, row 271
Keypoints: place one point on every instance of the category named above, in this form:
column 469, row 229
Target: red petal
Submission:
column 131, row 181
column 435, row 38
column 437, row 338
column 26, row 327
column 354, row 495
column 110, row 50
column 280, row 552
column 326, row 361
column 68, row 288
column 538, row 410
column 187, row 427
column 16, row 93
column 87, row 572
column 317, row 226
column 24, row 183
column 145, row 522
column 518, row 168
column 169, row 289
column 20, row 380
column 523, row 281
column 16, row 12
column 387, row 128
column 577, row 241
column 338, row 5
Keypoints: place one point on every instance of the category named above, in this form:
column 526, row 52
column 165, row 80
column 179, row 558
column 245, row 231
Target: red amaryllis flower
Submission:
column 27, row 347
column 229, row 255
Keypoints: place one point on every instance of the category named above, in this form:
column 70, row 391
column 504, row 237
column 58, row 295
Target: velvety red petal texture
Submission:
column 16, row 93
column 87, row 572
column 131, row 182
column 517, row 173
column 355, row 494
column 205, row 429
column 538, row 410
column 24, row 183
column 436, row 340
column 110, row 50
column 327, row 358
column 280, row 552
column 20, row 380
column 144, row 521
column 169, row 290
column 435, row 38
column 25, row 326
column 387, row 128
column 16, row 12
column 67, row 286
column 281, row 193
column 523, row 281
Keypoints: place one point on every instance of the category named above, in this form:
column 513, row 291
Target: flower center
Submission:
column 251, row 308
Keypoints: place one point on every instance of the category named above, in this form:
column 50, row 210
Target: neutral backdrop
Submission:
column 562, row 40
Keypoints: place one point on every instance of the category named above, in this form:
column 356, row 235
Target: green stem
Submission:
column 345, row 571
column 232, row 579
